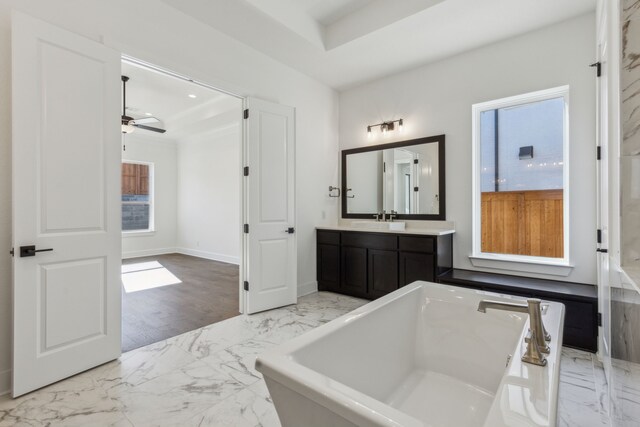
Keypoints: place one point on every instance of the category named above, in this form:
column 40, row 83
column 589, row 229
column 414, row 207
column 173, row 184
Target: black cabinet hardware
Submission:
column 26, row 251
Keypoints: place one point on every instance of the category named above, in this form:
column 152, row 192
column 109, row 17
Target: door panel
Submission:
column 328, row 267
column 416, row 266
column 271, row 265
column 274, row 199
column 383, row 272
column 72, row 295
column 273, row 261
column 66, row 182
column 354, row 271
column 80, row 207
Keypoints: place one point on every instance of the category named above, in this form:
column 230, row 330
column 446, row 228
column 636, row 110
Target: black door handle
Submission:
column 26, row 251
column 291, row 230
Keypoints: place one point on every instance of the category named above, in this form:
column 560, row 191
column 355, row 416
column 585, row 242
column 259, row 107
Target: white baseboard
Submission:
column 209, row 255
column 148, row 252
column 307, row 288
column 5, row 382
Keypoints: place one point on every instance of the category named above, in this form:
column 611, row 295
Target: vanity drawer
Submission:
column 328, row 237
column 417, row 244
column 370, row 240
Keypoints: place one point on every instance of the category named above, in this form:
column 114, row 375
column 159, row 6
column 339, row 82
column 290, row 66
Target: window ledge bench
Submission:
column 580, row 300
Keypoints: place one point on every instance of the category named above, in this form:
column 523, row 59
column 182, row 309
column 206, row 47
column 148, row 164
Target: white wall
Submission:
column 154, row 32
column 437, row 99
column 162, row 153
column 209, row 195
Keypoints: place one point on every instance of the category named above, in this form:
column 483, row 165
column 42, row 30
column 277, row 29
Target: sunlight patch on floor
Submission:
column 146, row 275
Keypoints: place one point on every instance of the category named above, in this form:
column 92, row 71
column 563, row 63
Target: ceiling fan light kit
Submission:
column 129, row 124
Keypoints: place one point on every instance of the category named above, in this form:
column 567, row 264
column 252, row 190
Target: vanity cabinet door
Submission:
column 416, row 266
column 328, row 267
column 383, row 272
column 354, row 271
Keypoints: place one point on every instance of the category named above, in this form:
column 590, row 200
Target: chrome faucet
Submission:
column 384, row 215
column 536, row 337
column 393, row 215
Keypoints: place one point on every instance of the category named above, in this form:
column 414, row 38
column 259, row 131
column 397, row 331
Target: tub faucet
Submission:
column 537, row 336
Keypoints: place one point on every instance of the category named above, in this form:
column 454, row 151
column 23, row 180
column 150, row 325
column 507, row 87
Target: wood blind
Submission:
column 135, row 179
column 523, row 223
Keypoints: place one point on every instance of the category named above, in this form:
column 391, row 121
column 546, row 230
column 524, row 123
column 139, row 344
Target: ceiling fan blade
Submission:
column 146, row 120
column 150, row 128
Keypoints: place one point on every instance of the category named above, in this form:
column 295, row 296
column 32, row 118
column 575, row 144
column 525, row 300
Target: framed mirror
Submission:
column 407, row 177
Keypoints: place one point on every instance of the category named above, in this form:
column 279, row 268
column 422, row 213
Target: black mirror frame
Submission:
column 439, row 139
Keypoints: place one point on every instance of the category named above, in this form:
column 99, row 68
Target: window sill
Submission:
column 537, row 265
column 138, row 233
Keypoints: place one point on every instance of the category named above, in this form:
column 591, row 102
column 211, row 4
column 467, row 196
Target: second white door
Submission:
column 270, row 268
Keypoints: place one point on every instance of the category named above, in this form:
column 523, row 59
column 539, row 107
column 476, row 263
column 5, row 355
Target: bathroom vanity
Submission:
column 369, row 264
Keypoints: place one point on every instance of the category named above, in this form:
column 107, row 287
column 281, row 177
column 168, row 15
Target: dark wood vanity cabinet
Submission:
column 370, row 265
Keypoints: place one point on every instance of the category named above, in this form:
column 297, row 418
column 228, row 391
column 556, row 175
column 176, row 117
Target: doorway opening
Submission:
column 181, row 205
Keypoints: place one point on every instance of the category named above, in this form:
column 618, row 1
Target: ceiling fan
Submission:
column 129, row 123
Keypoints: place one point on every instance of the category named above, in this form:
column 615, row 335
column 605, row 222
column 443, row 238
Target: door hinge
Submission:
column 599, row 236
column 246, row 285
column 601, row 250
column 415, row 161
column 415, row 188
column 598, row 153
column 12, row 252
column 384, row 167
column 246, row 228
column 598, row 66
column 246, row 113
column 246, row 171
column 599, row 318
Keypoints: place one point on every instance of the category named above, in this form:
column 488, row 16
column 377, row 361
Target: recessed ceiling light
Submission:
column 148, row 114
column 192, row 95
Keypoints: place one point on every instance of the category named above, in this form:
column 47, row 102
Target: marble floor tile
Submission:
column 626, row 393
column 207, row 378
column 210, row 339
column 76, row 401
column 243, row 409
column 238, row 361
column 142, row 365
column 177, row 396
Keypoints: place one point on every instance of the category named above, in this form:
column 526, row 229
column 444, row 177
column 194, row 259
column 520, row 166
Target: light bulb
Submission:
column 369, row 134
column 127, row 128
column 400, row 126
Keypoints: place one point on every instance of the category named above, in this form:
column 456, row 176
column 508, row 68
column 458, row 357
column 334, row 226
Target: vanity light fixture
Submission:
column 386, row 127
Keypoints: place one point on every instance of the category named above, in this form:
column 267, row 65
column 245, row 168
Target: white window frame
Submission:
column 152, row 216
column 535, row 264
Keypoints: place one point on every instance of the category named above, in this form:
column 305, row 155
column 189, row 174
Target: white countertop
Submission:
column 421, row 231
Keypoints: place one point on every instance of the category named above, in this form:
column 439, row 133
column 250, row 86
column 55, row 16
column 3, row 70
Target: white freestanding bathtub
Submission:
column 420, row 356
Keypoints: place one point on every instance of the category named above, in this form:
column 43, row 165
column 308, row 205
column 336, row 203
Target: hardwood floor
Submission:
column 208, row 294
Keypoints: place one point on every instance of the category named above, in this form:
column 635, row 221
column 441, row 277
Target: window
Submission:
column 520, row 152
column 137, row 197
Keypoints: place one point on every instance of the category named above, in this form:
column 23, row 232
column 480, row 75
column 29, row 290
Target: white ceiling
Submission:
column 343, row 43
column 327, row 12
column 167, row 98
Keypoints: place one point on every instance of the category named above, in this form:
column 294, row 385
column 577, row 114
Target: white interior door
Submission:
column 66, row 183
column 602, row 192
column 271, row 264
